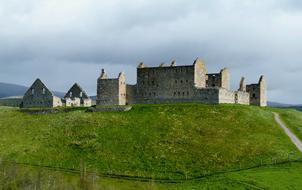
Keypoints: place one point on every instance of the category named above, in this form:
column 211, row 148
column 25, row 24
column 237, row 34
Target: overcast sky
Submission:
column 67, row 41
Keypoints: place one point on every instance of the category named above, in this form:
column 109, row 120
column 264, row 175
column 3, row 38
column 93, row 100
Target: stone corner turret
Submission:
column 103, row 74
column 173, row 63
column 141, row 65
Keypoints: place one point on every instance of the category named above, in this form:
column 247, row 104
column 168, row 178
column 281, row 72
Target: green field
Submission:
column 181, row 142
column 293, row 120
column 283, row 176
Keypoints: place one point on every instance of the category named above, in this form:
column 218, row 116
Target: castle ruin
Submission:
column 39, row 96
column 172, row 84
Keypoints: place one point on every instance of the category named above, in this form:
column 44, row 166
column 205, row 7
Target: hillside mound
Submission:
column 180, row 141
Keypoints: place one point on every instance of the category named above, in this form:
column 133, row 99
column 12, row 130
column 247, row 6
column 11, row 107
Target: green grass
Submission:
column 181, row 141
column 283, row 176
column 293, row 119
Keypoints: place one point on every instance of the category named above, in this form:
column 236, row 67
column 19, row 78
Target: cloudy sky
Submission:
column 64, row 41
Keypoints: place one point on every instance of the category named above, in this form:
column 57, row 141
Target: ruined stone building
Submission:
column 111, row 91
column 38, row 95
column 77, row 97
column 257, row 92
column 172, row 84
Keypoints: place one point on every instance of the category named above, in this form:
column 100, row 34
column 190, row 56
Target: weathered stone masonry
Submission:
column 39, row 96
column 170, row 84
column 76, row 97
column 111, row 91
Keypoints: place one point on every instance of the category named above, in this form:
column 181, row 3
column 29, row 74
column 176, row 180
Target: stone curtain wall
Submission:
column 130, row 94
column 173, row 84
column 226, row 96
column 165, row 83
column 242, row 98
column 207, row 95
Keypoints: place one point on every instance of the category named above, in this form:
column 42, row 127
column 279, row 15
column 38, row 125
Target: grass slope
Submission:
column 179, row 141
column 284, row 176
column 293, row 120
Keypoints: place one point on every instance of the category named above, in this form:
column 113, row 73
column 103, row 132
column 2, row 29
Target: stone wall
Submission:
column 130, row 94
column 200, row 72
column 221, row 80
column 57, row 102
column 263, row 91
column 38, row 95
column 86, row 102
column 122, row 87
column 206, row 95
column 226, row 96
column 225, row 79
column 242, row 98
column 258, row 96
column 111, row 91
column 213, row 80
column 108, row 92
column 77, row 97
column 72, row 102
column 172, row 82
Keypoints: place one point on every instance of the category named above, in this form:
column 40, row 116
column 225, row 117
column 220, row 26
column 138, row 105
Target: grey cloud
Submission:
column 250, row 37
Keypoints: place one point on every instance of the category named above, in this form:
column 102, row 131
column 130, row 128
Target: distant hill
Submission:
column 8, row 90
column 281, row 105
column 277, row 104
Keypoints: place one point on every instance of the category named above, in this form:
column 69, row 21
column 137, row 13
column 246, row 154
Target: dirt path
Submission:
column 290, row 134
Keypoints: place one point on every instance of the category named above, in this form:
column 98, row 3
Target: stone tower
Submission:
column 200, row 73
column 242, row 85
column 225, row 78
column 258, row 93
column 263, row 91
column 111, row 91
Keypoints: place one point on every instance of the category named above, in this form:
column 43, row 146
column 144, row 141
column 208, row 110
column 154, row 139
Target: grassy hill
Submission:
column 181, row 141
column 293, row 120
